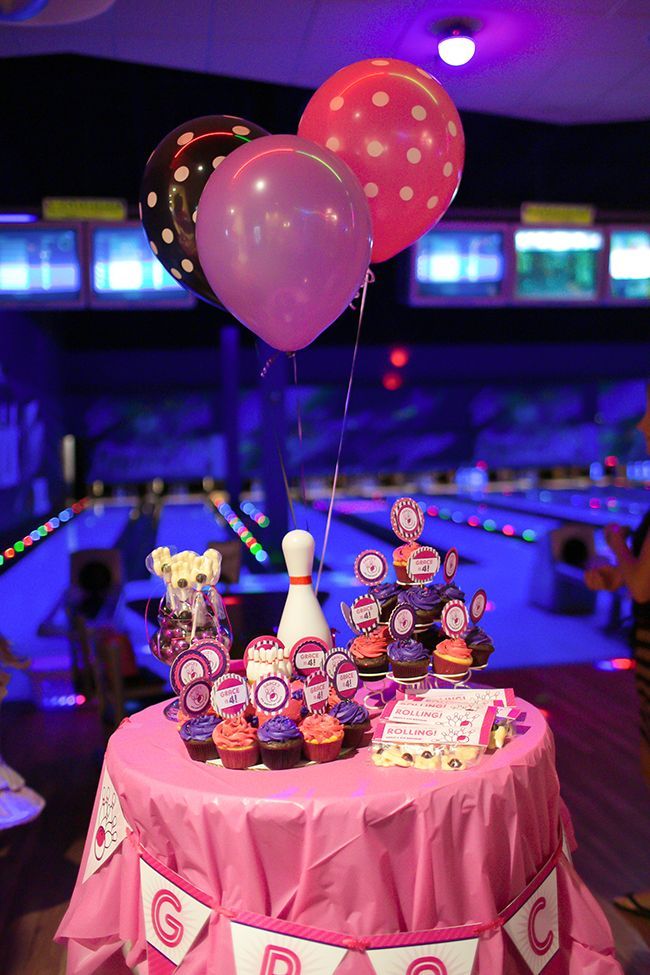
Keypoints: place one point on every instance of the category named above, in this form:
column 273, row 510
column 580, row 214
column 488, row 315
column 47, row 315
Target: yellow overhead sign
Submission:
column 83, row 208
column 573, row 214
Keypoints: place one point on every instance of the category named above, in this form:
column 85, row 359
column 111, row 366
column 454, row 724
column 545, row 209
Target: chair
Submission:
column 231, row 553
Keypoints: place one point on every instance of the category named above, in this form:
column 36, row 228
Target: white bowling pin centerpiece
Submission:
column 302, row 615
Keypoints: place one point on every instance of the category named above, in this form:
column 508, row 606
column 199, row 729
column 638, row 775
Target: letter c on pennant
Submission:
column 172, row 934
column 280, row 961
column 427, row 966
column 539, row 947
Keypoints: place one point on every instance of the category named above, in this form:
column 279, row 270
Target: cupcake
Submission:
column 408, row 659
column 369, row 652
column 424, row 601
column 197, row 737
column 280, row 743
column 386, row 595
column 447, row 591
column 323, row 736
column 431, row 637
column 480, row 644
column 401, row 556
column 236, row 742
column 355, row 720
column 452, row 658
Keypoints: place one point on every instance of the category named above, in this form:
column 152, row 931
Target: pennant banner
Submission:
column 174, row 915
column 534, row 927
column 109, row 828
column 262, row 952
column 444, row 958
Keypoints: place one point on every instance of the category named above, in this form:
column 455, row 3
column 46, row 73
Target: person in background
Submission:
column 632, row 570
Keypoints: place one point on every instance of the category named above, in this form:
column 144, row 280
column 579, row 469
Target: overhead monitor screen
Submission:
column 124, row 271
column 629, row 264
column 557, row 265
column 39, row 265
column 458, row 263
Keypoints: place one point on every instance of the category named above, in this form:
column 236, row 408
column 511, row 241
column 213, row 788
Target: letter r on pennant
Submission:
column 280, row 961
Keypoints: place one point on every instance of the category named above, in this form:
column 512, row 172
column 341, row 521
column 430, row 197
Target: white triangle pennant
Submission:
column 173, row 918
column 444, row 958
column 109, row 828
column 534, row 928
column 261, row 952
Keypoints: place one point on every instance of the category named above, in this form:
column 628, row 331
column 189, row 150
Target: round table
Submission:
column 345, row 847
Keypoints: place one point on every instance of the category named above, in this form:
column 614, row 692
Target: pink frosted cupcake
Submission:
column 401, row 557
column 452, row 658
column 323, row 736
column 236, row 743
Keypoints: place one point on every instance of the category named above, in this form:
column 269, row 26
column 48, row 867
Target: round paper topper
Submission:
column 188, row 666
column 477, row 605
column 216, row 655
column 308, row 654
column 450, row 564
column 230, row 695
column 346, row 679
column 364, row 613
column 406, row 519
column 195, row 697
column 264, row 643
column 423, row 564
column 334, row 657
column 316, row 690
column 402, row 622
column 454, row 618
column 271, row 693
column 347, row 616
column 370, row 567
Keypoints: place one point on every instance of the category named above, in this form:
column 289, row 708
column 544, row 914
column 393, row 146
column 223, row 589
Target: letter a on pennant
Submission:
column 445, row 958
column 261, row 952
column 173, row 918
column 534, row 928
column 109, row 828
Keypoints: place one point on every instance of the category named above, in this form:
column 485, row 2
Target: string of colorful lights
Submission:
column 487, row 524
column 246, row 537
column 257, row 516
column 24, row 545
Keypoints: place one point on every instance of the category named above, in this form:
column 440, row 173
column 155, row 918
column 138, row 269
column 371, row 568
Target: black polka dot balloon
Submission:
column 175, row 176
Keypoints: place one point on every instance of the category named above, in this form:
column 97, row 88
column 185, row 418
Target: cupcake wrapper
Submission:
column 353, row 734
column 281, row 756
column 201, row 751
column 449, row 667
column 239, row 758
column 415, row 668
column 324, row 751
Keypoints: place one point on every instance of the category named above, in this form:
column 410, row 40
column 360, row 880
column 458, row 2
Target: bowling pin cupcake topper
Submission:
column 402, row 622
column 309, row 654
column 370, row 567
column 454, row 618
column 364, row 613
column 423, row 564
column 450, row 564
column 316, row 690
column 477, row 605
column 271, row 694
column 407, row 519
column 336, row 656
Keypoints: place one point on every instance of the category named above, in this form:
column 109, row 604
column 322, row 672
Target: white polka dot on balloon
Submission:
column 176, row 273
column 419, row 113
column 406, row 193
column 374, row 148
column 447, row 169
column 371, row 190
column 241, row 130
column 414, row 155
column 187, row 265
column 432, row 202
column 152, row 199
column 451, row 128
column 184, row 138
column 380, row 63
column 337, row 103
column 217, row 161
column 333, row 143
column 181, row 174
column 380, row 98
column 167, row 235
column 153, row 247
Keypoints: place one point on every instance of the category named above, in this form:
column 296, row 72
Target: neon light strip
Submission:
column 488, row 524
column 23, row 545
column 253, row 512
column 239, row 528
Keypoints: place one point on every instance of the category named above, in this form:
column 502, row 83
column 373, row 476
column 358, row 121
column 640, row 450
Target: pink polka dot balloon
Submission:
column 399, row 132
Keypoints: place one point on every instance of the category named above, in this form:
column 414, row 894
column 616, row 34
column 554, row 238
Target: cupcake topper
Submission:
column 402, row 622
column 334, row 657
column 370, row 567
column 230, row 695
column 195, row 697
column 406, row 519
column 316, row 690
column 216, row 655
column 269, row 648
column 450, row 564
column 346, row 679
column 477, row 605
column 188, row 666
column 364, row 613
column 454, row 618
column 308, row 654
column 347, row 616
column 271, row 694
column 423, row 564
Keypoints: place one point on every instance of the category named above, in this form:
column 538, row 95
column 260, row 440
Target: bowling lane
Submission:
column 562, row 506
column 190, row 525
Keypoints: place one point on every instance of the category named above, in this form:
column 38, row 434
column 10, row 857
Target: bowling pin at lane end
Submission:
column 302, row 615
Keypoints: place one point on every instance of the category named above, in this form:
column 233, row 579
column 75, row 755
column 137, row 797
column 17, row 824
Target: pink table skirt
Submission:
column 346, row 847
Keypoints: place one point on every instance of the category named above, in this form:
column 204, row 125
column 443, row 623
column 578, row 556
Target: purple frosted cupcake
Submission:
column 355, row 720
column 424, row 601
column 197, row 737
column 280, row 742
column 480, row 644
column 409, row 659
column 386, row 594
column 446, row 592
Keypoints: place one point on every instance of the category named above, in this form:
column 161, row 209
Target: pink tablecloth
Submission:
column 346, row 847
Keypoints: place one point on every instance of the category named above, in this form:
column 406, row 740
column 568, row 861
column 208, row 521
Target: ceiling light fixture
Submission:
column 456, row 45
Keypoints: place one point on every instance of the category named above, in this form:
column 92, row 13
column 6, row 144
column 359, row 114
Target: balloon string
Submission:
column 285, row 479
column 303, row 489
column 368, row 279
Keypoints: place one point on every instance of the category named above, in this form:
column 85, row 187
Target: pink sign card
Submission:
column 449, row 726
column 407, row 519
column 454, row 618
column 364, row 613
column 216, row 655
column 308, row 654
column 188, row 666
column 370, row 567
column 477, row 605
column 230, row 695
column 346, row 679
column 402, row 622
column 195, row 696
column 472, row 697
column 271, row 693
column 334, row 657
column 423, row 564
column 450, row 565
column 316, row 690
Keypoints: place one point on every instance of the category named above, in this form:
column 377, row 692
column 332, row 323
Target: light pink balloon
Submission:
column 284, row 236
